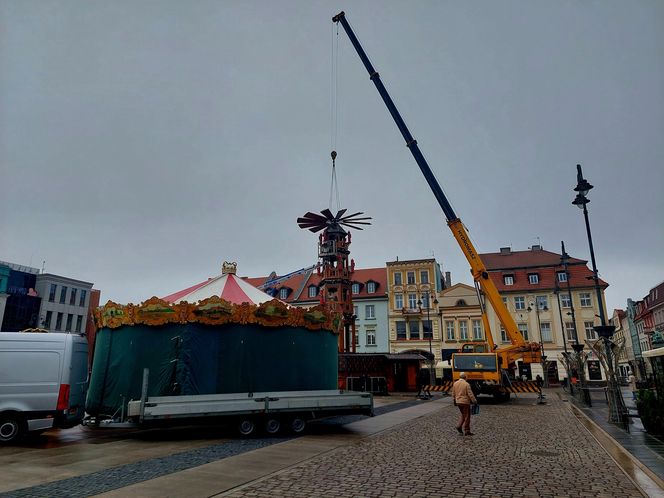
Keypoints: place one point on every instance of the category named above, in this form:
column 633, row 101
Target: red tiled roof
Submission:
column 545, row 263
column 361, row 276
column 524, row 259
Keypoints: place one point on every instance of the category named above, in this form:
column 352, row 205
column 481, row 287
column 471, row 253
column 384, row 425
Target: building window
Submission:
column 504, row 301
column 565, row 301
column 398, row 301
column 283, row 293
column 585, row 299
column 591, row 335
column 72, row 297
column 508, row 279
column 562, row 276
column 477, row 330
column 460, row 303
column 425, row 300
column 545, row 332
column 371, row 287
column 410, row 277
column 401, row 330
column 313, row 291
column 369, row 312
column 357, row 337
column 427, row 329
column 569, row 331
column 424, row 277
column 542, row 302
column 463, row 330
column 58, row 321
column 412, row 301
column 519, row 303
column 70, row 317
column 355, row 288
column 355, row 311
column 81, row 301
column 397, row 278
column 533, row 278
column 79, row 322
column 51, row 293
column 371, row 337
column 523, row 329
column 503, row 335
column 47, row 320
column 63, row 294
column 449, row 330
column 414, row 329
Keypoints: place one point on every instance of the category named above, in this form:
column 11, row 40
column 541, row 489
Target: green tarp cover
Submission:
column 197, row 359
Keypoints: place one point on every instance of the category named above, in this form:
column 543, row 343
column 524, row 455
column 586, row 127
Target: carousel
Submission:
column 219, row 336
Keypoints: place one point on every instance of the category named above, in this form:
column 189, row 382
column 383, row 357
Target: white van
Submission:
column 43, row 382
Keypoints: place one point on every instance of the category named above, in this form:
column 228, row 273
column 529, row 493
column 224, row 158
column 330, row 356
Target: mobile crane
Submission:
column 488, row 368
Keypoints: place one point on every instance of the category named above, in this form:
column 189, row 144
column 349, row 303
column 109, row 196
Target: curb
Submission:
column 648, row 483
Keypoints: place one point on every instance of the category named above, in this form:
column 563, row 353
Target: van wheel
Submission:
column 272, row 425
column 246, row 427
column 11, row 428
column 297, row 425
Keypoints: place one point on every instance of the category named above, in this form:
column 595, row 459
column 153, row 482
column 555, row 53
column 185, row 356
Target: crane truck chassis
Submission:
column 489, row 368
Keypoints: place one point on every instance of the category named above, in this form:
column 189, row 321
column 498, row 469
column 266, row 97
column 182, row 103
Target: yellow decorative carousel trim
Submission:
column 215, row 311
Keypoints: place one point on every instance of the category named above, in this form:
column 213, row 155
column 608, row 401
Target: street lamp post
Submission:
column 603, row 330
column 432, row 378
column 562, row 326
column 545, row 372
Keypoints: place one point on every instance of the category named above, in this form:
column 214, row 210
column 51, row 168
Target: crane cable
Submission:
column 334, row 114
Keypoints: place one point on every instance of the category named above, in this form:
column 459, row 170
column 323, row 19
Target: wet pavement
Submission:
column 647, row 450
column 410, row 448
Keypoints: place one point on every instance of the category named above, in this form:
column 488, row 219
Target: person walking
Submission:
column 632, row 385
column 463, row 397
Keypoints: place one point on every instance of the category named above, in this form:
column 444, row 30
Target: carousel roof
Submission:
column 227, row 286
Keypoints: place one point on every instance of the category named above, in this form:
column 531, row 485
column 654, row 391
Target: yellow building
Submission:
column 413, row 319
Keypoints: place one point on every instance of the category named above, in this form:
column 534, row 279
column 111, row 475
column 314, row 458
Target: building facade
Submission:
column 460, row 321
column 413, row 319
column 19, row 302
column 540, row 294
column 65, row 303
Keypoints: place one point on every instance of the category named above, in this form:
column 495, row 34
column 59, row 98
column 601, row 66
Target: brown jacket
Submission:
column 462, row 393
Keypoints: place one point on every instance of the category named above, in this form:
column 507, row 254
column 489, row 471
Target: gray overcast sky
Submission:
column 142, row 143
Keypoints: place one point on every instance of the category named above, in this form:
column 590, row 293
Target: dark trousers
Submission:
column 465, row 417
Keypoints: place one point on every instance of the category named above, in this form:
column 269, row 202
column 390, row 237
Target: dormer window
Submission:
column 508, row 279
column 313, row 291
column 355, row 288
column 533, row 278
column 371, row 287
column 283, row 293
column 562, row 276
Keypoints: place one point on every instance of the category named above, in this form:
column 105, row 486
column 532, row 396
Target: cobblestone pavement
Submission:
column 520, row 449
column 125, row 475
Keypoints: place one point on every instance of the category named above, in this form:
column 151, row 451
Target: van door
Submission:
column 76, row 375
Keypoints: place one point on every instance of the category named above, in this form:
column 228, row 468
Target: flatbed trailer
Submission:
column 270, row 411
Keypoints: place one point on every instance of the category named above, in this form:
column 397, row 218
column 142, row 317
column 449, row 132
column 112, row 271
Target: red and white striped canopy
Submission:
column 227, row 286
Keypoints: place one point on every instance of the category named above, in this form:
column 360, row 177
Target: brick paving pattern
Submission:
column 520, row 450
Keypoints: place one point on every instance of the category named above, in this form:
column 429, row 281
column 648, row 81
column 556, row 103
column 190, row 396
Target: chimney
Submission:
column 506, row 250
column 448, row 279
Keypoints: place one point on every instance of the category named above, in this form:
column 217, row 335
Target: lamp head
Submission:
column 580, row 201
column 582, row 185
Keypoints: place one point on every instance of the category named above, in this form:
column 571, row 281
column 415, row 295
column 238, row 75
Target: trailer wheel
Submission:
column 297, row 425
column 246, row 427
column 11, row 428
column 272, row 425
